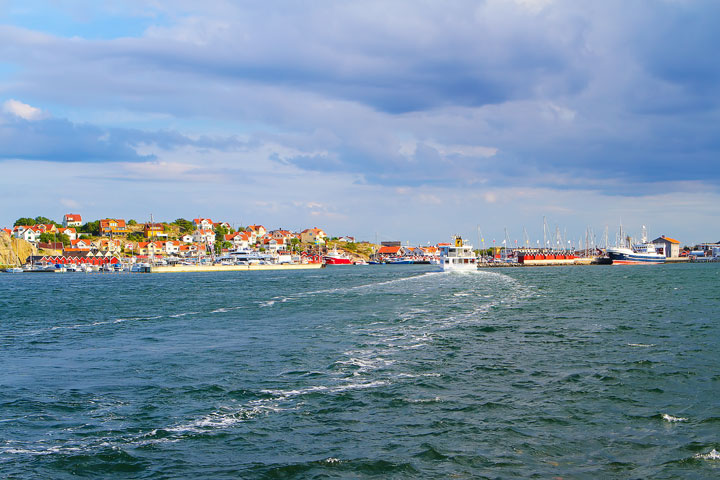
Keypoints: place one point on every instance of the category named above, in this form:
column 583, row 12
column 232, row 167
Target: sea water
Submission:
column 363, row 372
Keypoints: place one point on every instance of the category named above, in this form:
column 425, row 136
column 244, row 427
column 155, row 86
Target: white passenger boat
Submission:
column 458, row 256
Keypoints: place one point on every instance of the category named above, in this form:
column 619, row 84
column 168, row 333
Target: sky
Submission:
column 405, row 120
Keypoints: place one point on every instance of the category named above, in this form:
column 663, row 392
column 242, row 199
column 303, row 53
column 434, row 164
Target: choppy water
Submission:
column 361, row 372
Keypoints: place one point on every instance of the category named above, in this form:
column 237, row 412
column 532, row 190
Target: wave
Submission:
column 711, row 455
column 672, row 419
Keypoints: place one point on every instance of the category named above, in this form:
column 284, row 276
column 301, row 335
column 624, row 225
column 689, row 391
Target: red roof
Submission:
column 671, row 240
column 389, row 250
column 73, row 217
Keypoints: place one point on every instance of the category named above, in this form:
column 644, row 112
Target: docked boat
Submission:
column 641, row 253
column 628, row 253
column 334, row 257
column 458, row 256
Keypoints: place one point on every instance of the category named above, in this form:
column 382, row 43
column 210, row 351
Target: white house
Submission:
column 204, row 236
column 29, row 234
column 239, row 240
column 187, row 238
column 72, row 220
column 273, row 244
column 172, row 247
column 203, row 223
column 69, row 231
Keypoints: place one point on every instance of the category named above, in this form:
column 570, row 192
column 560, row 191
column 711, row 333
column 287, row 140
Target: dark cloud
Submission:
column 59, row 140
column 624, row 92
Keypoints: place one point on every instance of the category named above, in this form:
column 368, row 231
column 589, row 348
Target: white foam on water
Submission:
column 225, row 418
column 641, row 345
column 331, row 460
column 178, row 315
column 269, row 303
column 219, row 310
column 285, row 394
column 424, row 400
column 711, row 455
column 416, row 375
column 670, row 418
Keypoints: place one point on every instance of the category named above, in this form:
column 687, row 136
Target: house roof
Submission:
column 671, row 240
column 104, row 223
column 315, row 230
column 73, row 217
column 389, row 250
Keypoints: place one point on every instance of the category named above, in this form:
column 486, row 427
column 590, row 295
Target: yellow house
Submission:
column 313, row 235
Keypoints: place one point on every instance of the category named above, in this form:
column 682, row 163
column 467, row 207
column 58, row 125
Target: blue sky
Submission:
column 406, row 120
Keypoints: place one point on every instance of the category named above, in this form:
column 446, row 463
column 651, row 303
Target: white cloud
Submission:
column 23, row 110
column 70, row 203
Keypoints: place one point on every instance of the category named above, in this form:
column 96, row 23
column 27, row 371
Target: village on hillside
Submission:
column 114, row 244
column 114, row 241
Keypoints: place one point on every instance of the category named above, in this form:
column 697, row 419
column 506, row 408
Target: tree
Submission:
column 136, row 237
column 45, row 221
column 220, row 233
column 132, row 222
column 93, row 228
column 186, row 226
column 219, row 246
column 52, row 238
column 24, row 221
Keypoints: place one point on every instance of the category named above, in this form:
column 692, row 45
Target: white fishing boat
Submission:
column 628, row 253
column 458, row 256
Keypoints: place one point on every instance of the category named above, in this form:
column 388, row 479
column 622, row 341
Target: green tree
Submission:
column 52, row 238
column 220, row 233
column 186, row 226
column 136, row 237
column 220, row 245
column 93, row 228
column 131, row 222
column 46, row 221
column 24, row 221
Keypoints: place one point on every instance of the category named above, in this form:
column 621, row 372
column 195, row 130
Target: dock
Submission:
column 233, row 268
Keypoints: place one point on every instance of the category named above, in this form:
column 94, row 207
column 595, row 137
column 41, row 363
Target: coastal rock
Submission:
column 9, row 247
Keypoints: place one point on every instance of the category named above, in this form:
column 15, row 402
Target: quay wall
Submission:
column 232, row 268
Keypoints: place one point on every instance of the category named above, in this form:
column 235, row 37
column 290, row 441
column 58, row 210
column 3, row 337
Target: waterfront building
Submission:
column 667, row 246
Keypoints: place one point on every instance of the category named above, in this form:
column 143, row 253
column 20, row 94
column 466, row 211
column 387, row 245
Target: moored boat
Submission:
column 627, row 253
column 643, row 253
column 334, row 257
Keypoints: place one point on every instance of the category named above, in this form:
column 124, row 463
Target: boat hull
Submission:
column 635, row 259
column 337, row 261
column 471, row 267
